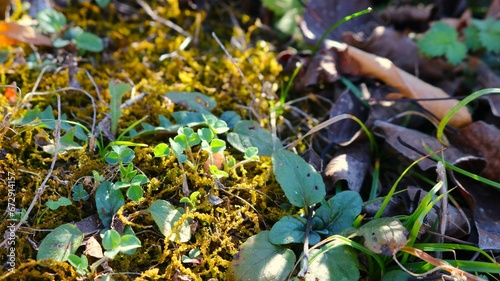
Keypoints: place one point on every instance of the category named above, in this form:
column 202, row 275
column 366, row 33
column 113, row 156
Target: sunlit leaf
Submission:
column 339, row 263
column 60, row 243
column 165, row 216
column 302, row 184
column 248, row 133
column 384, row 236
column 259, row 259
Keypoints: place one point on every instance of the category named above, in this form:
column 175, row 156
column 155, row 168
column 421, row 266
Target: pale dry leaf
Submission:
column 357, row 62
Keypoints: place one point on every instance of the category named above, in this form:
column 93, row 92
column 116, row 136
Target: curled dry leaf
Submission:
column 393, row 134
column 321, row 69
column 484, row 140
column 350, row 164
column 487, row 79
column 357, row 62
column 12, row 33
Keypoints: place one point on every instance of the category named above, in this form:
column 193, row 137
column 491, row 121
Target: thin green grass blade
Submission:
column 335, row 25
column 458, row 106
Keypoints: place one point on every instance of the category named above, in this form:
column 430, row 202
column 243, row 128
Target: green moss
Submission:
column 135, row 46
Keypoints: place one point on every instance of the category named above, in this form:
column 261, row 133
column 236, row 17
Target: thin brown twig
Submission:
column 161, row 20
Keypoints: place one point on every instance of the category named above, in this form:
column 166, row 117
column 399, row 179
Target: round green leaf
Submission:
column 53, row 205
column 161, row 150
column 89, row 42
column 112, row 157
column 127, row 155
column 217, row 145
column 60, row 43
column 303, row 186
column 60, row 243
column 102, row 3
column 51, row 21
column 111, row 239
column 63, row 201
column 165, row 216
column 135, row 192
column 259, row 259
column 129, row 244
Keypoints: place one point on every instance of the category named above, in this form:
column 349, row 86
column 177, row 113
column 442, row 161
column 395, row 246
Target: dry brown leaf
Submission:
column 12, row 33
column 93, row 248
column 416, row 139
column 357, row 62
column 484, row 140
column 350, row 164
column 494, row 10
column 487, row 79
column 408, row 17
column 345, row 131
column 455, row 272
column 321, row 14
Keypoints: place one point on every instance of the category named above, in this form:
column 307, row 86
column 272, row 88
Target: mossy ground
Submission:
column 134, row 46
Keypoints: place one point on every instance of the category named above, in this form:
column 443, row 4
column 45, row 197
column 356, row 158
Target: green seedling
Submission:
column 79, row 193
column 129, row 177
column 54, row 22
column 251, row 155
column 191, row 200
column 303, row 186
column 54, row 205
column 443, row 40
column 192, row 257
column 80, row 263
column 114, row 243
column 216, row 173
column 119, row 155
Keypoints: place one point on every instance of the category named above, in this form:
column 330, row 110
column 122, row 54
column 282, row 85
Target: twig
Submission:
column 305, row 257
column 252, row 102
column 441, row 176
column 161, row 20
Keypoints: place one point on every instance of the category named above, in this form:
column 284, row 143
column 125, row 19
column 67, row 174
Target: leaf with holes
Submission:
column 259, row 259
column 384, row 236
column 302, row 184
